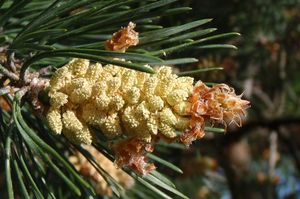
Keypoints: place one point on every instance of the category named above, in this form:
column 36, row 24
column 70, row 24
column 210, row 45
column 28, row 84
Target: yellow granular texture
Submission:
column 81, row 90
column 78, row 67
column 54, row 120
column 60, row 80
column 117, row 101
column 182, row 107
column 58, row 99
column 102, row 188
column 74, row 130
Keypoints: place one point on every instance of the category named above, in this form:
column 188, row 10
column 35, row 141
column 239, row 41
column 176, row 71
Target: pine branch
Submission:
column 47, row 33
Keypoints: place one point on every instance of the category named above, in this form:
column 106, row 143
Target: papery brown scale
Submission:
column 123, row 39
column 132, row 152
column 201, row 110
column 191, row 135
column 195, row 131
column 142, row 166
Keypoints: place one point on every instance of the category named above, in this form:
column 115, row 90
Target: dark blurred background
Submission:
column 261, row 159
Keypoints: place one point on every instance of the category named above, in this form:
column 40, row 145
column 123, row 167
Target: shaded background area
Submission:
column 261, row 159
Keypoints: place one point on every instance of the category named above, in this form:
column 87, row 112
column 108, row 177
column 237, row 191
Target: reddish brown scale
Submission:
column 123, row 39
column 132, row 152
column 217, row 104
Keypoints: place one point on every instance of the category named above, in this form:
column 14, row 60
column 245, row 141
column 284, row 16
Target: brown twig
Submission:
column 9, row 74
column 12, row 62
column 8, row 89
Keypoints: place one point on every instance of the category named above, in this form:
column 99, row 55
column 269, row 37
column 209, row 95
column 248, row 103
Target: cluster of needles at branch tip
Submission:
column 136, row 108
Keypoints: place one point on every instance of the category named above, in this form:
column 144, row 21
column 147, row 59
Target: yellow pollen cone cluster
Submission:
column 118, row 101
column 138, row 107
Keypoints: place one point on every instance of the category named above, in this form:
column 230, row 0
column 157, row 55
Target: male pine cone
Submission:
column 139, row 107
column 118, row 101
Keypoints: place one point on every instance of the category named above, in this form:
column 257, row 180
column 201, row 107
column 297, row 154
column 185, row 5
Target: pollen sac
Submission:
column 182, row 108
column 185, row 83
column 78, row 67
column 167, row 116
column 114, row 84
column 155, row 103
column 54, row 120
column 58, row 99
column 94, row 71
column 116, row 102
column 167, row 130
column 150, row 85
column 81, row 90
column 111, row 126
column 152, row 124
column 71, row 122
column 177, row 96
column 142, row 111
column 128, row 79
column 164, row 87
column 141, row 78
column 60, row 80
column 74, row 130
column 89, row 113
column 102, row 102
column 99, row 88
column 129, row 118
column 132, row 95
column 83, row 136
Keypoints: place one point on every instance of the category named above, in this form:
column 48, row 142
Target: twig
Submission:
column 8, row 89
column 45, row 71
column 9, row 74
column 11, row 61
